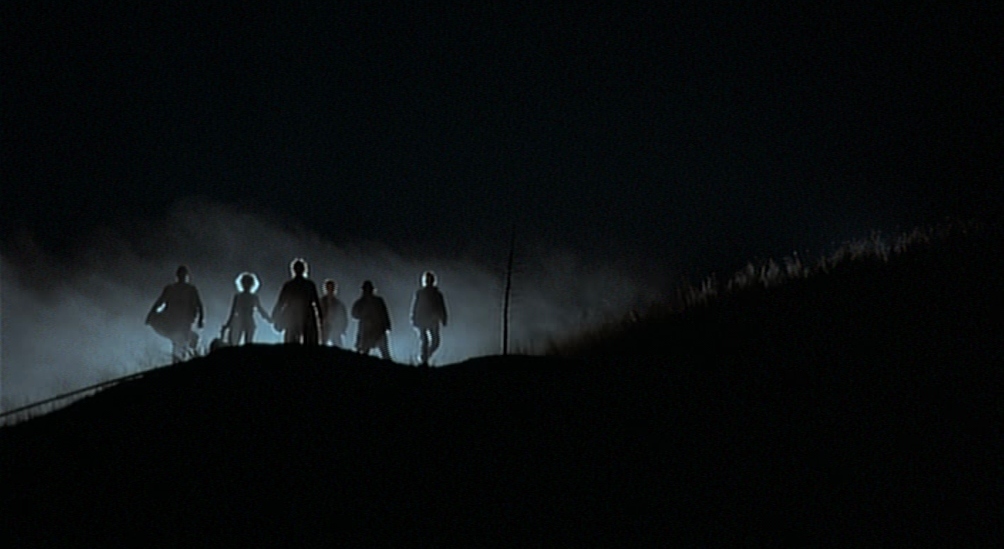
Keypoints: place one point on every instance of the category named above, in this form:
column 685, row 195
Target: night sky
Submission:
column 674, row 139
column 680, row 133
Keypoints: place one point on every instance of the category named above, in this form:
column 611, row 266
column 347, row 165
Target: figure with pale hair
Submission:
column 334, row 319
column 296, row 311
column 428, row 313
column 374, row 321
column 173, row 313
column 241, row 324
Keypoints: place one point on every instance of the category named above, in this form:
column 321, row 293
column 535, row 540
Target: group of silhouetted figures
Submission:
column 303, row 316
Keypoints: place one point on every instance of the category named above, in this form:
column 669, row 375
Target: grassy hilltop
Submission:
column 859, row 404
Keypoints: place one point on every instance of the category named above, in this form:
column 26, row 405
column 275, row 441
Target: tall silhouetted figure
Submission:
column 296, row 311
column 428, row 312
column 374, row 322
column 334, row 319
column 241, row 322
column 172, row 315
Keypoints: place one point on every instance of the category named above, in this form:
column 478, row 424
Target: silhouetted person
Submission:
column 428, row 312
column 172, row 315
column 334, row 319
column 296, row 310
column 374, row 322
column 241, row 320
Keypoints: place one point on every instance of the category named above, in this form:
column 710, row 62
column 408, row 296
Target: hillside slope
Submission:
column 864, row 406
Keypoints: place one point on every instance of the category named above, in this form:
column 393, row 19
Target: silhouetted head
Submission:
column 330, row 286
column 298, row 267
column 368, row 287
column 428, row 278
column 182, row 273
column 247, row 282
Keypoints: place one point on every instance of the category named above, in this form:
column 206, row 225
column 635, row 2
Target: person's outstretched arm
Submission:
column 200, row 311
column 280, row 302
column 233, row 311
column 315, row 303
column 261, row 310
column 156, row 305
column 386, row 315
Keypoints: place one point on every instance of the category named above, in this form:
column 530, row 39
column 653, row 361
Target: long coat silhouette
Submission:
column 428, row 313
column 374, row 322
column 173, row 313
column 297, row 308
column 334, row 319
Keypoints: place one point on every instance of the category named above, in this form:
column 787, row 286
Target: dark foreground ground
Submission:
column 860, row 407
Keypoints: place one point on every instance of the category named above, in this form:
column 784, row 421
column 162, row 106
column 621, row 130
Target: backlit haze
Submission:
column 629, row 146
column 72, row 321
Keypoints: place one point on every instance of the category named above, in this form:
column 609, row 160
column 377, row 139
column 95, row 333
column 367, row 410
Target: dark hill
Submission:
column 863, row 406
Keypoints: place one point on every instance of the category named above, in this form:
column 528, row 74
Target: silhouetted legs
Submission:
column 306, row 335
column 333, row 341
column 330, row 338
column 311, row 336
column 183, row 345
column 428, row 341
column 364, row 345
column 384, row 347
column 242, row 330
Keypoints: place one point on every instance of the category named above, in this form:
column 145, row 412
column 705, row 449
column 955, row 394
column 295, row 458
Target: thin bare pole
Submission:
column 508, row 291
